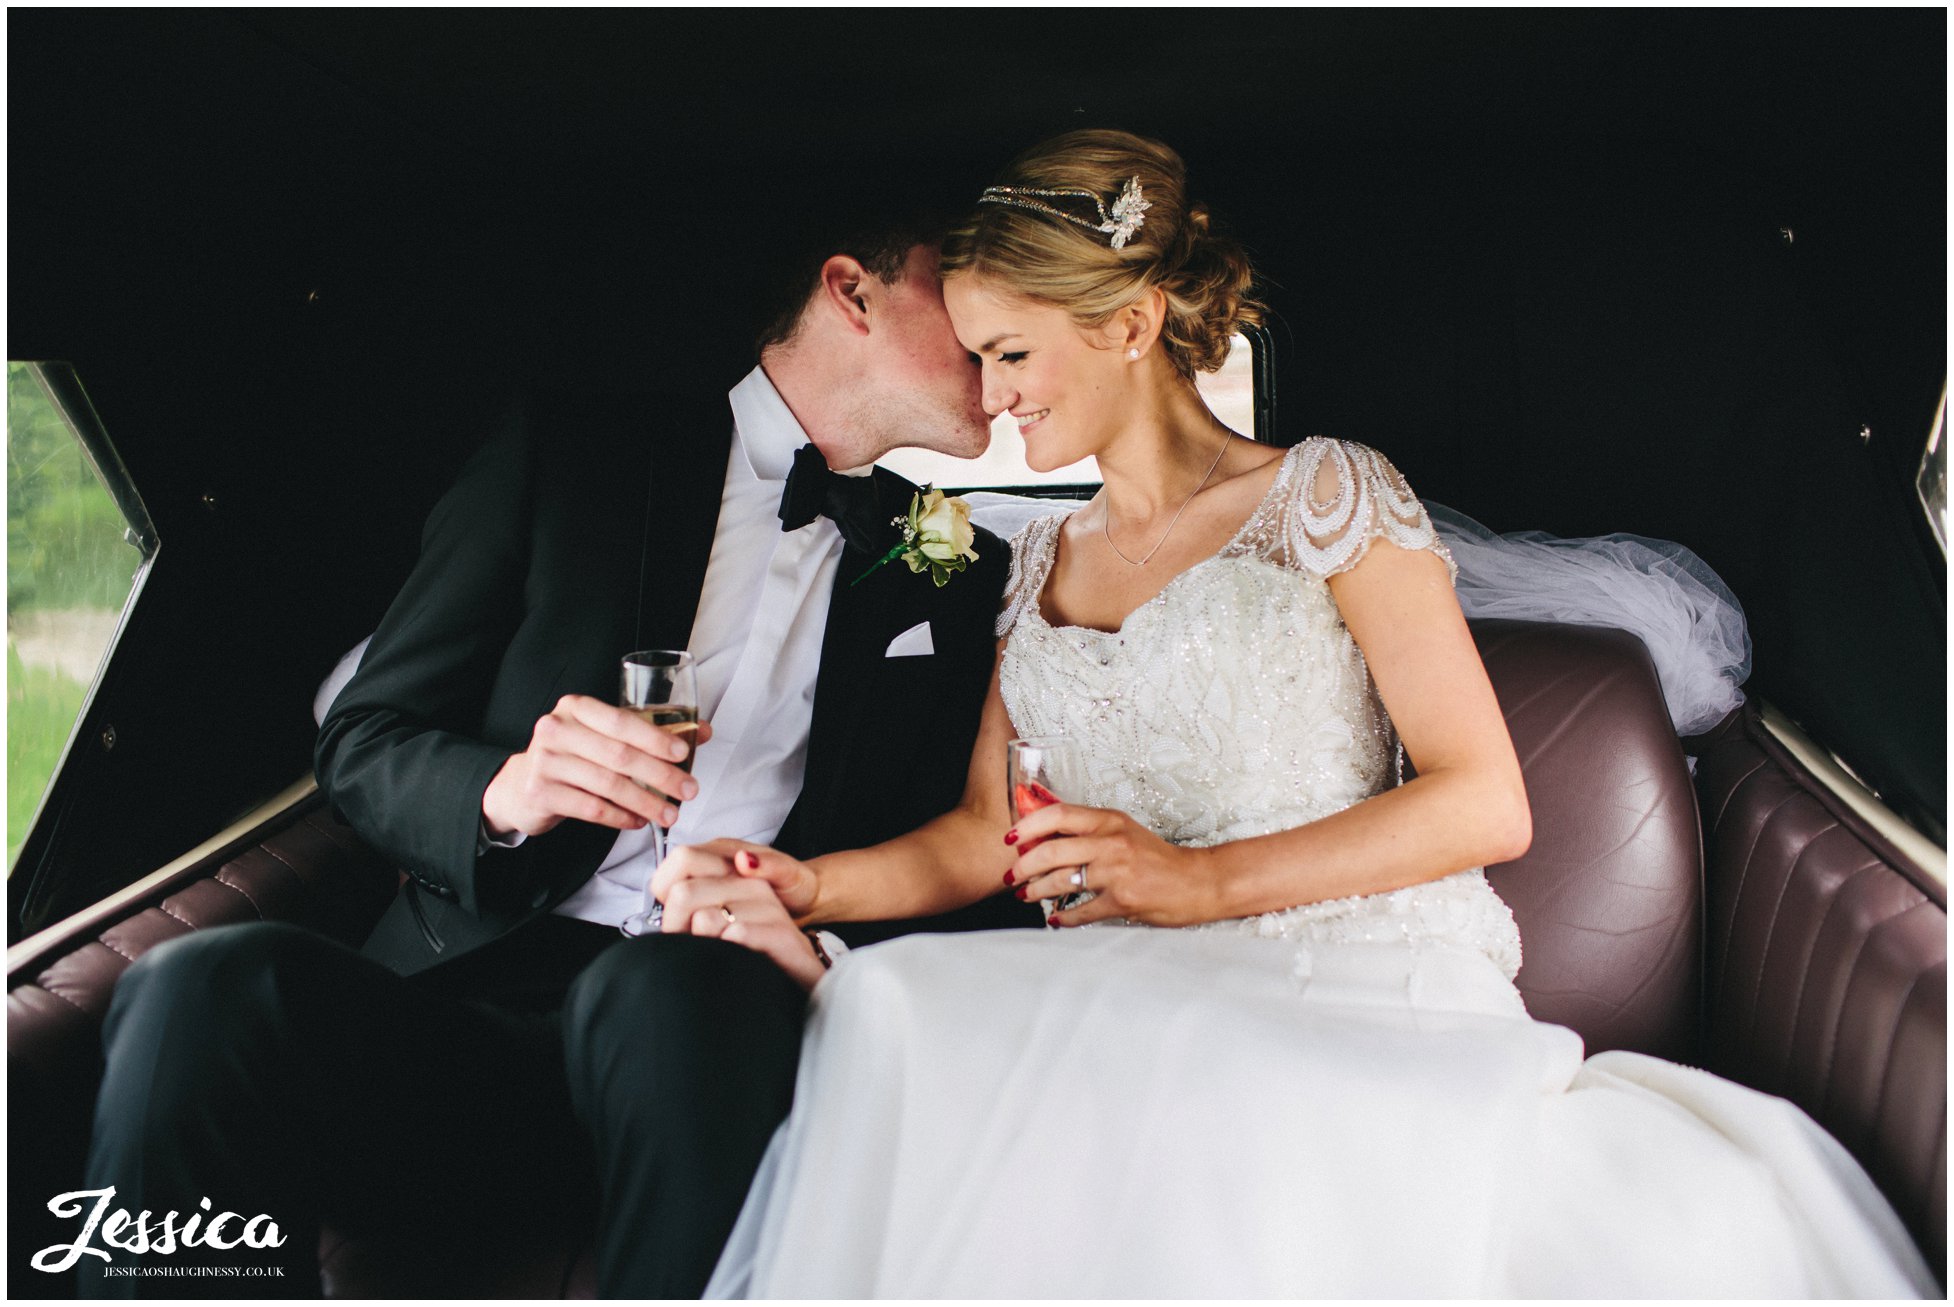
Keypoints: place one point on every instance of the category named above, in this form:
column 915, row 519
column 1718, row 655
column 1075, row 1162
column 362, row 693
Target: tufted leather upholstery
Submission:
column 307, row 869
column 1609, row 897
column 312, row 871
column 1827, row 963
column 1828, row 969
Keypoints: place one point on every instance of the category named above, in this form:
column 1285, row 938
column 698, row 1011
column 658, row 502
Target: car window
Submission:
column 1230, row 392
column 78, row 543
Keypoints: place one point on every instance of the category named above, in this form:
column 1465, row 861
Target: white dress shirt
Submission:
column 756, row 645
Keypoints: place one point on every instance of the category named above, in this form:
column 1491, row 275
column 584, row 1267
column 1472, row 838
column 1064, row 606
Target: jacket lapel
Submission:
column 862, row 620
column 648, row 471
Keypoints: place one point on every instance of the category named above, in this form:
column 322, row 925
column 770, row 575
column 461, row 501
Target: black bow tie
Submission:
column 864, row 508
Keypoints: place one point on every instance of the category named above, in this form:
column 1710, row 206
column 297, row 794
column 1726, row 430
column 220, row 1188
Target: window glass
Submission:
column 1229, row 392
column 71, row 565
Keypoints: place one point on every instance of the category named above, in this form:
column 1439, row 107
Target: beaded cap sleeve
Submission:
column 1032, row 551
column 1331, row 499
column 1235, row 703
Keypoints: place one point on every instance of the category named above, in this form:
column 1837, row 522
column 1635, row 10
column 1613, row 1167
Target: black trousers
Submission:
column 272, row 1071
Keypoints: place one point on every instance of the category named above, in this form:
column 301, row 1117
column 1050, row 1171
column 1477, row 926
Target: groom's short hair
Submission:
column 874, row 218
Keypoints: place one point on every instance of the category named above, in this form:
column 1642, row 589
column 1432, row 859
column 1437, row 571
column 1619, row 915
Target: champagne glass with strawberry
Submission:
column 1039, row 772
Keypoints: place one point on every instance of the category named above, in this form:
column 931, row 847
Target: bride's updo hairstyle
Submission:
column 1019, row 240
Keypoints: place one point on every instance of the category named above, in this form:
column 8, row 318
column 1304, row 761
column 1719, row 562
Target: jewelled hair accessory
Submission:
column 1122, row 220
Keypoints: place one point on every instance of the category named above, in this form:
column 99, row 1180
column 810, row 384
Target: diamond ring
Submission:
column 1079, row 878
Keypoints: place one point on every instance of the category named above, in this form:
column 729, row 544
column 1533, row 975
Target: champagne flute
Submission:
column 660, row 686
column 1039, row 772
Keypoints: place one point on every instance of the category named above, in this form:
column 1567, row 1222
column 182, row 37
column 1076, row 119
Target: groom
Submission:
column 498, row 1049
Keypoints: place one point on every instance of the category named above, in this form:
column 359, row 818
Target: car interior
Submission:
column 1674, row 274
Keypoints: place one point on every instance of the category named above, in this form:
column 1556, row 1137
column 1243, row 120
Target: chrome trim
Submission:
column 219, row 848
column 64, row 390
column 1930, row 483
column 1931, row 858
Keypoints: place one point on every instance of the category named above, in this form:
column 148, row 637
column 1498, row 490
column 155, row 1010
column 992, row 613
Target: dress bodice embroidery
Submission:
column 1235, row 703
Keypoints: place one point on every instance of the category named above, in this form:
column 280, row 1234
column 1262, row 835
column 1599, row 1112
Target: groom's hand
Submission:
column 794, row 882
column 740, row 910
column 594, row 762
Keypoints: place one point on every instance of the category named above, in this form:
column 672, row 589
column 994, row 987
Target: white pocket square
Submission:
column 912, row 643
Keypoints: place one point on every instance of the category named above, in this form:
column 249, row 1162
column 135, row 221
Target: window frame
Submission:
column 61, row 384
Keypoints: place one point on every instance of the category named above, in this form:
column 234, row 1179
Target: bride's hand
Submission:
column 793, row 881
column 1133, row 873
column 740, row 909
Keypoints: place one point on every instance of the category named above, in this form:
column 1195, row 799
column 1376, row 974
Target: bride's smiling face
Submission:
column 1067, row 388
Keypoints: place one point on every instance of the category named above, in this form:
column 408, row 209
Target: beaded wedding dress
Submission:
column 1345, row 1099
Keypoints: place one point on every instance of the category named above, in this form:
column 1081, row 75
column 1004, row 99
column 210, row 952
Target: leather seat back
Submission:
column 303, row 867
column 1828, row 969
column 1609, row 897
column 1837, row 1001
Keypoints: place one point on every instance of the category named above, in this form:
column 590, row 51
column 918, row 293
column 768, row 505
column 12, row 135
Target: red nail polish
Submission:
column 1020, row 892
column 1010, row 877
column 1052, row 922
column 1010, row 837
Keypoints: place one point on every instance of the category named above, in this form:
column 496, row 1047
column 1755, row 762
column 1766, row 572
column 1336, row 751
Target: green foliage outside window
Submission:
column 41, row 709
column 69, row 570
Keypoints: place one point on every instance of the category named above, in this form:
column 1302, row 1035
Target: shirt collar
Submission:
column 766, row 430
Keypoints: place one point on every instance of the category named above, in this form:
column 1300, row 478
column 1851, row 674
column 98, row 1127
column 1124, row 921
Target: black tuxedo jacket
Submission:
column 580, row 532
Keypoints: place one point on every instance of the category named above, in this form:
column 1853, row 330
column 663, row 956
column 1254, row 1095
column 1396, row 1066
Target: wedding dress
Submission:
column 1344, row 1099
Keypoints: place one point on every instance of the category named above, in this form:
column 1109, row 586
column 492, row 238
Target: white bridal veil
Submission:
column 1657, row 589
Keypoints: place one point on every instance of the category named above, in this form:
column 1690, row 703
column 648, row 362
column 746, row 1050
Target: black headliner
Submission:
column 1533, row 255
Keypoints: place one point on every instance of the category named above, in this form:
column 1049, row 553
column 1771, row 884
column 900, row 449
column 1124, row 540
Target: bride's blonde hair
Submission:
column 1033, row 252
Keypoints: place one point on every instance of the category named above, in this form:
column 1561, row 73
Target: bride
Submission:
column 1325, row 1083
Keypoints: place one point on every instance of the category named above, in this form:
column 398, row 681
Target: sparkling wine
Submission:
column 678, row 719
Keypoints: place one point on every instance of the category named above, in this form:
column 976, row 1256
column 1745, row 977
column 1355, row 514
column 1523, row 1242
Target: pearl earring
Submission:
column 1133, row 353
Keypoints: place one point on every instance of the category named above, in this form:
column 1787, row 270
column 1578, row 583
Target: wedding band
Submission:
column 731, row 920
column 1079, row 878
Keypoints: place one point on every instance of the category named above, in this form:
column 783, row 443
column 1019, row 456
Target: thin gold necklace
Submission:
column 1105, row 523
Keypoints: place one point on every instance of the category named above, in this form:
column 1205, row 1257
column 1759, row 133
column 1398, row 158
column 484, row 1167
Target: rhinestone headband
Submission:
column 1122, row 220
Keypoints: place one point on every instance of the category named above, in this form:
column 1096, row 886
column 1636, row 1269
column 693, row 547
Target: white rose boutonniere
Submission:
column 936, row 537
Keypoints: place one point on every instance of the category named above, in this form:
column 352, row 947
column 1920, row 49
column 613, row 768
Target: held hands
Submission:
column 1133, row 873
column 594, row 762
column 745, row 894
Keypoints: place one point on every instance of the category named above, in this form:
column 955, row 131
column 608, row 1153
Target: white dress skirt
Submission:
column 1345, row 1099
column 1151, row 1114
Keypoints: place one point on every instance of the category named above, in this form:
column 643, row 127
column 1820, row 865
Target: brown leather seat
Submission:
column 1836, row 999
column 307, row 869
column 1609, row 897
column 1827, row 969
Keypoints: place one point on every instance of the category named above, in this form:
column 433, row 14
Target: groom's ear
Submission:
column 844, row 293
